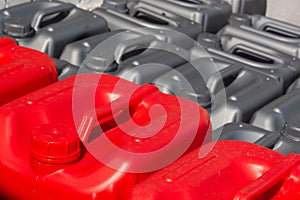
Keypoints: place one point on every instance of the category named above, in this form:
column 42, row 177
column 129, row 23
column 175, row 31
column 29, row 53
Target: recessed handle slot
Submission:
column 131, row 54
column 51, row 15
column 150, row 19
column 252, row 56
column 280, row 32
column 191, row 1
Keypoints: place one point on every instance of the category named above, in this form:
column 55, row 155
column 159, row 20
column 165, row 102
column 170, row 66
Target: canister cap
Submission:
column 118, row 5
column 18, row 27
column 55, row 144
column 209, row 40
column 292, row 131
column 240, row 19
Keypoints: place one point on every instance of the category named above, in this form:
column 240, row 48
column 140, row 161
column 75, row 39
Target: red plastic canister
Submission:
column 23, row 70
column 232, row 170
column 42, row 156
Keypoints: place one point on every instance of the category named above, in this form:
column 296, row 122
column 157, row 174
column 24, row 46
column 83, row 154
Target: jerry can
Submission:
column 84, row 4
column 48, row 26
column 284, row 141
column 132, row 56
column 278, row 29
column 187, row 81
column 53, row 153
column 238, row 6
column 247, row 133
column 248, row 6
column 211, row 15
column 231, row 170
column 274, row 63
column 283, row 41
column 240, row 82
column 76, row 52
column 23, row 70
column 281, row 116
column 150, row 21
column 289, row 138
column 121, row 6
column 273, row 116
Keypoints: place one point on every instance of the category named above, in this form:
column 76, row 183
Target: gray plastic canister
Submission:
column 246, row 89
column 154, row 23
column 130, row 55
column 284, row 38
column 247, row 133
column 283, row 67
column 48, row 26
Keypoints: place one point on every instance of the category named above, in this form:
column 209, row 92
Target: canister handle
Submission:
column 40, row 15
column 109, row 60
column 108, row 110
column 215, row 82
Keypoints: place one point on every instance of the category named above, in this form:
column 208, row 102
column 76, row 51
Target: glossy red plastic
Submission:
column 232, row 170
column 23, row 70
column 42, row 157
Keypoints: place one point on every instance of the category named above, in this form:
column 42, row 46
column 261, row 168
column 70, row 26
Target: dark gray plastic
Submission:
column 146, row 62
column 76, row 52
column 84, row 4
column 285, row 141
column 288, row 42
column 248, row 6
column 18, row 27
column 65, row 69
column 295, row 85
column 48, row 26
column 188, row 82
column 247, row 133
column 131, row 3
column 283, row 67
column 282, row 116
column 273, row 116
column 212, row 15
column 208, row 40
column 266, row 24
column 289, row 142
column 117, row 5
column 118, row 21
column 247, row 90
